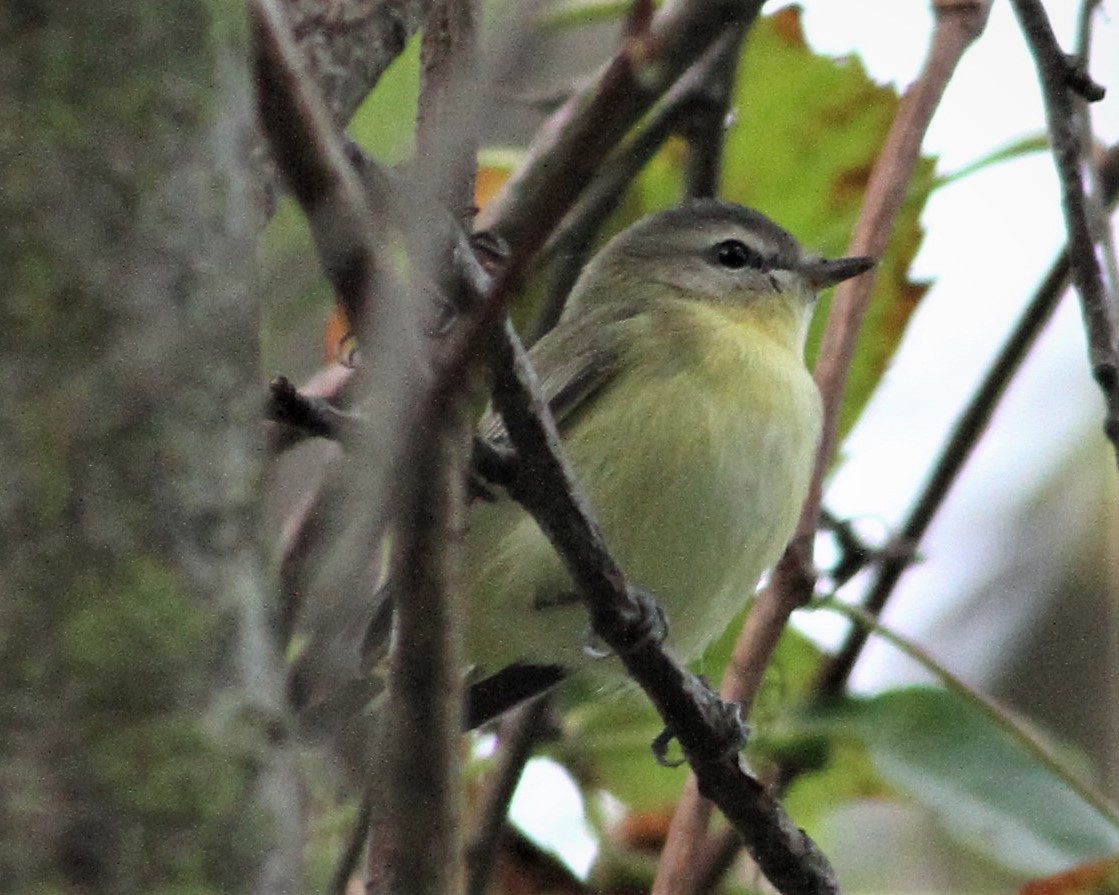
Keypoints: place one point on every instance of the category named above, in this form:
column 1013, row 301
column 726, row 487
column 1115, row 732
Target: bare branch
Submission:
column 1063, row 81
column 446, row 132
column 424, row 797
column 695, row 93
column 424, row 436
column 706, row 126
column 957, row 449
column 957, row 25
column 305, row 143
column 330, row 386
column 308, row 414
column 425, row 678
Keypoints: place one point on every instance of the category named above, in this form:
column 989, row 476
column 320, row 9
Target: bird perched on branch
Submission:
column 677, row 378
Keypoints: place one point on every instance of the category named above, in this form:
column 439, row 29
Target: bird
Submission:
column 677, row 379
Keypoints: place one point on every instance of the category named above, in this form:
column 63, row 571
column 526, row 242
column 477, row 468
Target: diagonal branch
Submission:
column 701, row 90
column 628, row 621
column 957, row 26
column 1065, row 84
column 569, row 148
column 305, row 143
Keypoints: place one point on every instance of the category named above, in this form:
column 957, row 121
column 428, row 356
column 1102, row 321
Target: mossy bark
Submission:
column 142, row 741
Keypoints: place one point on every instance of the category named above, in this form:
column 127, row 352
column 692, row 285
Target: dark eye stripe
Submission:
column 734, row 254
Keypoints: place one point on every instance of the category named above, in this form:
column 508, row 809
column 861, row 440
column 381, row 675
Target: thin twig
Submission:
column 958, row 448
column 346, row 867
column 1095, row 192
column 957, row 26
column 1063, row 80
column 706, row 124
column 1084, row 28
column 310, row 415
column 331, row 386
column 572, row 241
column 313, row 163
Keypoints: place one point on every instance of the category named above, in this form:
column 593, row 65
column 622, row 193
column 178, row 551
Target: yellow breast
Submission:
column 696, row 460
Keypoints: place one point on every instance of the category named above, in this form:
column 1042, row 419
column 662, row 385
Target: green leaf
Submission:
column 385, row 124
column 992, row 796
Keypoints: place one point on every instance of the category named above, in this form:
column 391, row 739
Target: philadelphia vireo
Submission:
column 677, row 377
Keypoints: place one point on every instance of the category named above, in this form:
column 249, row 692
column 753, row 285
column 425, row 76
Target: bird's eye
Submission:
column 734, row 254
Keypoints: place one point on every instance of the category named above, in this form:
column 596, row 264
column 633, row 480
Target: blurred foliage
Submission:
column 1096, row 878
column 156, row 802
column 990, row 794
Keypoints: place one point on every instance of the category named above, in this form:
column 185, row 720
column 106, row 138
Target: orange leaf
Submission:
column 340, row 341
column 1097, row 878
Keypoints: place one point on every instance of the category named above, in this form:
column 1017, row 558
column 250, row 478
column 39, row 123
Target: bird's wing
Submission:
column 574, row 361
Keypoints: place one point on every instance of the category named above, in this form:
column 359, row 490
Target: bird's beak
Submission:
column 822, row 273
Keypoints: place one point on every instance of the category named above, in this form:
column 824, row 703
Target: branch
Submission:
column 308, row 415
column 425, row 797
column 571, row 242
column 568, row 149
column 1061, row 77
column 416, row 456
column 446, row 129
column 706, row 125
column 957, row 449
column 957, row 26
column 628, row 621
column 305, row 143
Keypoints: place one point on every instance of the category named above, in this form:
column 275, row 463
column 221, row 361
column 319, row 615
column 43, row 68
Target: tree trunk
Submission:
column 142, row 740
